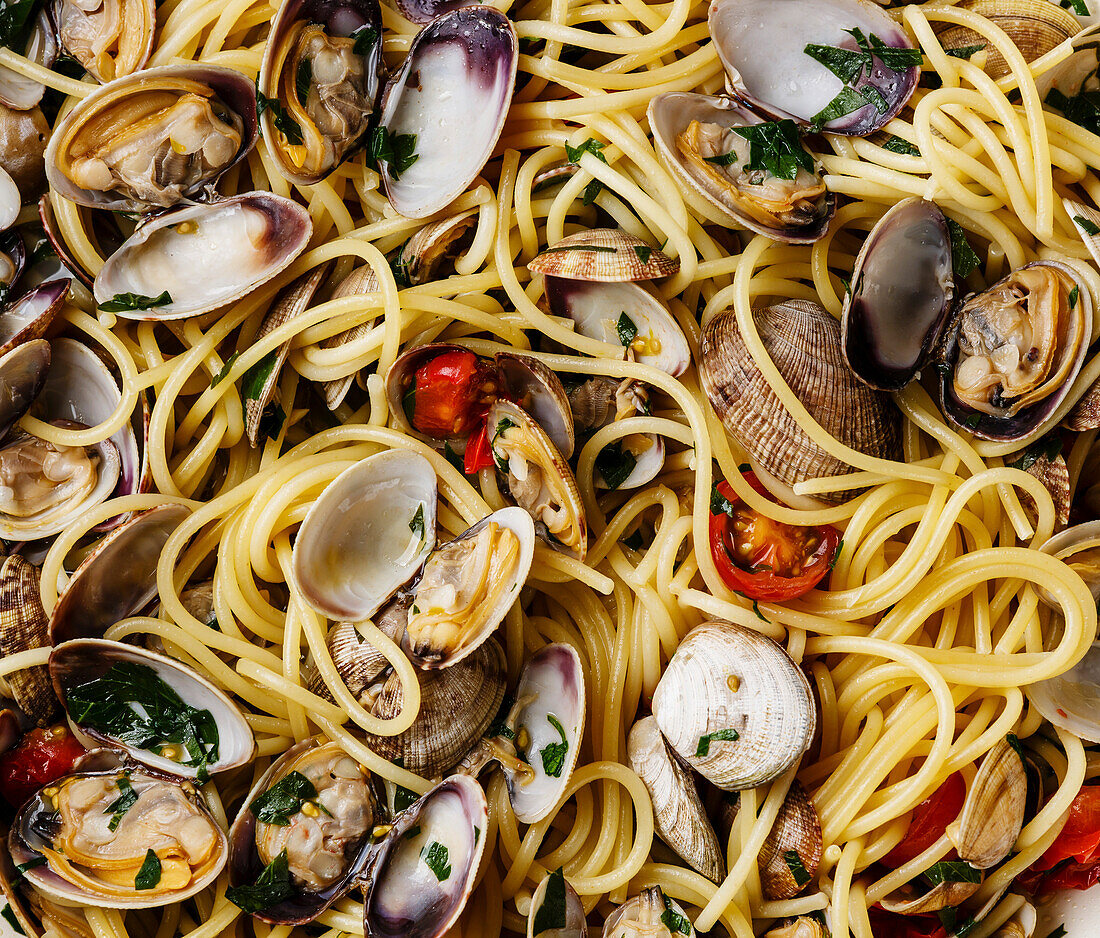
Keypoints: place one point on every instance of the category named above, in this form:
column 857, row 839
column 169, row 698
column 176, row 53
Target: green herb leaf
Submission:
column 132, row 704
column 283, row 122
column 626, row 328
column 1078, row 6
column 846, row 64
column 973, row 420
column 1088, row 227
column 366, row 37
column 1047, row 447
column 398, row 151
column 794, row 863
column 16, row 21
column 437, row 859
column 1014, row 742
column 719, row 504
column 963, row 256
column 553, row 755
column 1059, row 932
column 574, row 154
column 125, row 302
column 402, row 798
column 22, row 868
column 1082, row 108
column 892, row 57
column 591, row 192
column 952, row 871
column 124, row 802
column 899, row 145
column 149, row 874
column 776, row 148
column 272, row 886
column 964, row 52
column 499, row 727
column 1074, row 295
column 271, row 422
column 303, row 79
column 283, row 800
column 529, row 45
column 703, row 749
column 846, row 101
column 8, row 915
column 722, row 159
column 226, row 368
column 615, row 463
column 673, row 920
column 417, row 523
column 551, row 914
column 836, row 556
column 644, row 252
column 254, row 379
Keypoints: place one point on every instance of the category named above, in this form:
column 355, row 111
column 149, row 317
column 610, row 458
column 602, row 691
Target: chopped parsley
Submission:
column 402, row 798
column 1059, row 932
column 1074, row 295
column 1087, row 226
column 226, row 368
column 417, row 523
column 798, row 870
column 128, row 302
column 22, row 868
column 836, row 556
column 8, row 914
column 271, row 422
column 16, row 23
column 591, row 192
column 952, row 871
column 722, row 159
column 574, row 154
column 615, row 463
column 964, row 52
column 1082, row 108
column 453, row 458
column 366, row 37
column 964, row 259
column 643, row 251
column 900, row 145
column 703, row 749
column 719, row 504
column 972, row 421
column 149, row 874
column 673, row 920
column 284, row 123
column 397, row 151
column 776, row 148
column 551, row 914
column 1047, row 447
column 553, row 755
column 437, row 858
column 254, row 379
column 589, row 248
column 271, row 887
column 283, row 800
column 755, row 603
column 626, row 328
column 303, row 79
column 126, row 799
column 1078, row 6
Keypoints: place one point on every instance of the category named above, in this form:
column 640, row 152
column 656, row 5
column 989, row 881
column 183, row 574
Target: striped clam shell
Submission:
column 360, row 281
column 604, row 255
column 24, row 625
column 796, row 829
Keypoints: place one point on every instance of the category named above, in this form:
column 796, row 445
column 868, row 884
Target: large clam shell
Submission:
column 23, row 374
column 670, row 114
column 556, row 910
column 804, row 343
column 16, row 90
column 993, row 813
column 734, row 706
column 604, row 255
column 87, row 659
column 361, row 541
column 539, row 391
column 452, row 93
column 796, row 830
column 430, row 253
column 23, row 626
column 238, row 243
column 118, row 579
column 133, row 111
column 762, row 46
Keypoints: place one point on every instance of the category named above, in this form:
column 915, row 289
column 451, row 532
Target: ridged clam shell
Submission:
column 605, row 255
column 908, row 901
column 359, row 281
column 678, row 812
column 804, row 343
column 724, row 677
column 1054, row 474
column 425, row 254
column 23, row 626
column 457, row 706
column 993, row 813
column 796, row 829
column 358, row 662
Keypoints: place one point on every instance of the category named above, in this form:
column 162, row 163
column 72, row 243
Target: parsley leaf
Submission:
column 126, row 302
column 271, row 422
column 722, row 159
column 124, row 802
column 16, row 21
column 615, row 464
column 398, row 151
column 964, row 52
column 1082, row 108
column 366, row 37
column 952, row 871
column 643, row 251
column 1047, row 447
column 8, row 914
column 591, row 192
column 1078, row 6
column 1074, row 295
column 847, row 101
column 453, row 458
column 673, row 920
column 226, row 368
column 627, row 329
column 283, row 122
column 899, row 145
column 1059, row 932
column 417, row 523
column 703, row 749
column 551, row 914
column 254, row 379
column 798, row 870
column 574, row 154
column 283, row 800
column 21, row 868
column 553, row 756
column 972, row 421
column 963, row 256
column 1087, row 226
column 719, row 504
column 403, row 797
column 149, row 874
column 590, row 248
column 437, row 858
column 271, row 887
column 776, row 148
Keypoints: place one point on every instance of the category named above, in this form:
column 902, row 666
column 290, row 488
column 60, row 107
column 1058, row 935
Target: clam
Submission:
column 366, row 535
column 434, row 248
column 604, row 255
column 23, row 374
column 948, row 894
column 1072, row 699
column 322, row 66
column 734, row 706
column 467, row 587
column 1079, row 548
column 10, row 200
column 426, row 865
column 423, row 12
column 13, row 258
column 29, row 316
column 792, row 851
column 238, row 243
column 359, row 281
column 23, row 626
column 457, row 706
column 153, row 139
column 358, row 663
column 678, row 813
column 66, row 265
column 803, row 342
column 801, row 927
column 539, row 392
column 782, row 78
column 39, row 42
column 90, row 859
column 556, row 910
column 626, row 316
column 116, row 580
column 127, row 698
column 23, row 136
column 110, row 38
column 444, row 109
column 702, row 141
column 323, row 833
column 993, row 813
column 651, row 914
column 537, row 477
column 1053, row 472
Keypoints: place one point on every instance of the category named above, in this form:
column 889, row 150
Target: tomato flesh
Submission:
column 40, row 757
column 478, row 455
column 763, row 558
column 450, row 394
column 1073, row 860
column 929, row 821
column 890, row 925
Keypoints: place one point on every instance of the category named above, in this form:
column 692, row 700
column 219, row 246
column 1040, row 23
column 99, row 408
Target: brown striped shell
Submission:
column 993, row 813
column 23, row 626
column 359, row 281
column 604, row 255
column 430, row 253
column 457, row 706
column 1054, row 474
column 796, row 829
column 803, row 341
column 358, row 663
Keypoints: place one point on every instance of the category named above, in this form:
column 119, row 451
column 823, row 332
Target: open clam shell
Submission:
column 797, row 211
column 467, row 587
column 153, row 139
column 430, row 253
column 423, row 12
column 111, row 38
column 29, row 316
column 23, row 137
column 366, row 535
column 604, row 255
column 10, row 200
column 901, row 296
column 327, row 850
column 23, row 374
column 23, row 626
column 238, row 243
column 539, row 391
column 1079, row 548
column 104, row 871
column 556, row 910
column 16, row 90
column 426, row 865
column 452, row 94
column 1072, row 699
column 648, row 913
column 13, row 255
column 734, row 706
column 75, row 664
column 323, row 64
column 118, row 579
column 359, row 281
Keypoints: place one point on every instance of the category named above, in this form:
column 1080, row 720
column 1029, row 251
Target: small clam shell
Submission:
column 1071, row 700
column 804, row 343
column 796, row 831
column 734, row 706
column 118, row 579
column 81, row 28
column 993, row 813
column 946, row 895
column 1079, row 547
column 678, row 812
column 434, row 247
column 358, row 662
column 556, row 910
column 10, row 200
column 23, row 626
column 1054, row 474
column 801, row 927
column 68, row 260
column 86, row 659
column 16, row 90
column 423, row 12
column 13, row 257
column 30, row 315
column 359, row 281
column 23, row 374
column 604, row 255
column 1080, row 212
column 457, row 706
column 23, row 136
column 645, row 916
column 1085, row 414
column 538, row 391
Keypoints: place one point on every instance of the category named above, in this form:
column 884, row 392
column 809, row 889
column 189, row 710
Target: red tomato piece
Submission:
column 39, row 758
column 1073, row 860
column 929, row 821
column 762, row 558
column 478, row 454
column 450, row 394
column 889, row 925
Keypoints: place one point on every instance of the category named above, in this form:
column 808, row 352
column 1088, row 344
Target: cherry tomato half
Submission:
column 478, row 455
column 889, row 925
column 762, row 558
column 37, row 759
column 1073, row 860
column 450, row 394
column 929, row 821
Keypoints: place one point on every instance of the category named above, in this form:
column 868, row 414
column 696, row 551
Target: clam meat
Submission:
column 650, row 914
column 110, row 38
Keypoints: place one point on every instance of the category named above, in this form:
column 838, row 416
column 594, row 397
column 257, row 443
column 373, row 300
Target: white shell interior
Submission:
column 1072, row 699
column 9, row 200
